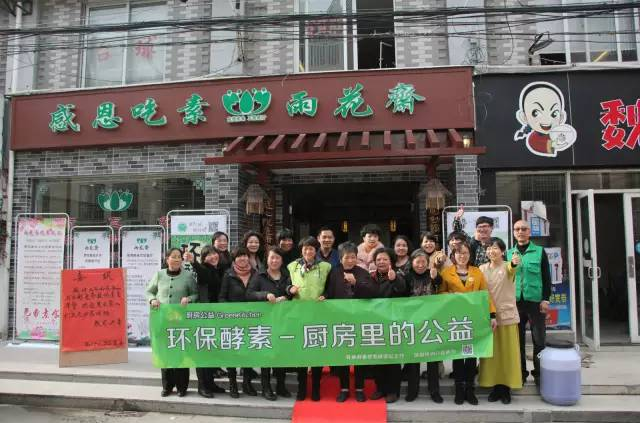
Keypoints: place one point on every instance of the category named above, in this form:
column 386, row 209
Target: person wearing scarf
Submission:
column 233, row 289
column 173, row 285
column 390, row 284
column 348, row 281
column 308, row 282
column 371, row 242
column 422, row 279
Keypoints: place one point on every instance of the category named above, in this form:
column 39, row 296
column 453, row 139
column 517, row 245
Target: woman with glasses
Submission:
column 460, row 278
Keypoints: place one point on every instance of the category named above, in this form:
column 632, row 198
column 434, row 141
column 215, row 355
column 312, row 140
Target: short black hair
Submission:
column 276, row 250
column 429, row 235
column 388, row 251
column 284, row 234
column 309, row 241
column 499, row 243
column 370, row 228
column 347, row 248
column 240, row 251
column 325, row 228
column 407, row 241
column 457, row 235
column 207, row 250
column 484, row 219
column 218, row 234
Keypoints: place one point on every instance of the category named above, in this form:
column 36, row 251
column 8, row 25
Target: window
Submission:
column 600, row 38
column 116, row 58
column 322, row 43
column 155, row 195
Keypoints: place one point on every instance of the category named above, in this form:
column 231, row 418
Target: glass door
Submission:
column 632, row 232
column 588, row 271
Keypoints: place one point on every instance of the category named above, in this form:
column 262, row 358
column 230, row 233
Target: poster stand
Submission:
column 72, row 244
column 15, row 268
column 200, row 212
column 447, row 227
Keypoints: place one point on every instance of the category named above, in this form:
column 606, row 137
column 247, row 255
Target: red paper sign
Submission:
column 92, row 310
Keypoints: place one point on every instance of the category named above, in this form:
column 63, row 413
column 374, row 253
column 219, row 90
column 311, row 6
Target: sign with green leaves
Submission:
column 115, row 201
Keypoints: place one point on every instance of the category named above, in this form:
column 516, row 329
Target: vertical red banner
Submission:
column 93, row 310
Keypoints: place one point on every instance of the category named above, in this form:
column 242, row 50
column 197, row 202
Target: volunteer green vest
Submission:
column 528, row 276
column 312, row 283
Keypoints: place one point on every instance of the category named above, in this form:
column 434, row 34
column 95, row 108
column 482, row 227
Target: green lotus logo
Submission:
column 115, row 201
column 182, row 227
column 246, row 106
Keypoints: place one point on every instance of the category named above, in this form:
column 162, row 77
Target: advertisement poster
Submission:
column 141, row 256
column 93, row 310
column 194, row 231
column 40, row 257
column 91, row 249
column 317, row 333
column 501, row 223
column 559, row 314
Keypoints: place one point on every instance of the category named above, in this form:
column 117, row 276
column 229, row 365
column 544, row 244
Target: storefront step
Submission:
column 525, row 408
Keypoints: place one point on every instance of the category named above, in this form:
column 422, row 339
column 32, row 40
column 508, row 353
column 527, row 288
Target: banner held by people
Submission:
column 333, row 332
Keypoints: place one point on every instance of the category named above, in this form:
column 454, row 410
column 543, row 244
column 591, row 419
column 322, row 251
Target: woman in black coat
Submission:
column 233, row 290
column 349, row 281
column 271, row 285
column 390, row 284
column 209, row 284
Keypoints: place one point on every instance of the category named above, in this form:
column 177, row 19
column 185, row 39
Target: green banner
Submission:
column 312, row 333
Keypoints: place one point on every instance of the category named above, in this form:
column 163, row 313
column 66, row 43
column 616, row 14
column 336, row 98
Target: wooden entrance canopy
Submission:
column 348, row 148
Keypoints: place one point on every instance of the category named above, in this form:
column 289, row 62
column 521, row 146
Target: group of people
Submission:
column 518, row 281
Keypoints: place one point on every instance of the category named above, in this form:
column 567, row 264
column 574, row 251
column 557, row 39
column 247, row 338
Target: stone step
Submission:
column 112, row 396
column 85, row 375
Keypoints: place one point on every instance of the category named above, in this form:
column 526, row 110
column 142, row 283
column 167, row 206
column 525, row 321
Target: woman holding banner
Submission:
column 271, row 285
column 461, row 278
column 423, row 279
column 390, row 284
column 233, row 290
column 349, row 281
column 502, row 371
column 308, row 277
column 173, row 285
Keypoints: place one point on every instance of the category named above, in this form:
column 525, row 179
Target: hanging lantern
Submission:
column 345, row 226
column 435, row 194
column 392, row 225
column 254, row 197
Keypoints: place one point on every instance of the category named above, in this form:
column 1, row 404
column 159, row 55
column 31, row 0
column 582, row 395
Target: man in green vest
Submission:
column 533, row 287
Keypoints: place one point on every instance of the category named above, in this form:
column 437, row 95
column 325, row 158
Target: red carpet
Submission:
column 327, row 410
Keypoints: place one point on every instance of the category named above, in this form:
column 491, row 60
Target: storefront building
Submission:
column 340, row 149
column 563, row 152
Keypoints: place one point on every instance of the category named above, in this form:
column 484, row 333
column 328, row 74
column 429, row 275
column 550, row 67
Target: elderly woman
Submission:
column 502, row 371
column 349, row 281
column 254, row 243
column 308, row 277
column 233, row 289
column 461, row 278
column 402, row 248
column 209, row 284
column 271, row 284
column 423, row 279
column 173, row 285
column 390, row 284
column 371, row 242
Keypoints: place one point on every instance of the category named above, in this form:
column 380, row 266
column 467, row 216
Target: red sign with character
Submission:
column 93, row 310
column 621, row 124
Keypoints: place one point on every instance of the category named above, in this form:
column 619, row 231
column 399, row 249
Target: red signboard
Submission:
column 93, row 310
column 398, row 99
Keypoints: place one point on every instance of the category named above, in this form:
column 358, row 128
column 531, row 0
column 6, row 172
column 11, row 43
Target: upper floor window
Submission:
column 115, row 58
column 322, row 43
column 609, row 37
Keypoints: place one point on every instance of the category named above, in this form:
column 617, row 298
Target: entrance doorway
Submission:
column 345, row 208
column 607, row 255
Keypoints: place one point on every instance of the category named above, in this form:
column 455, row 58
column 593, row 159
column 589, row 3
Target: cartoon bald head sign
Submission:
column 543, row 116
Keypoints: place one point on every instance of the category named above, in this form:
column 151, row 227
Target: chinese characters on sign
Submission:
column 241, row 106
column 353, row 331
column 93, row 310
column 621, row 124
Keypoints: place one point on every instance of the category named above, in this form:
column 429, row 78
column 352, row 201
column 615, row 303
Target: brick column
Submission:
column 467, row 192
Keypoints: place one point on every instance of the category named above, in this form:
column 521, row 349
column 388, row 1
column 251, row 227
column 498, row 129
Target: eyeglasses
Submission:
column 522, row 229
